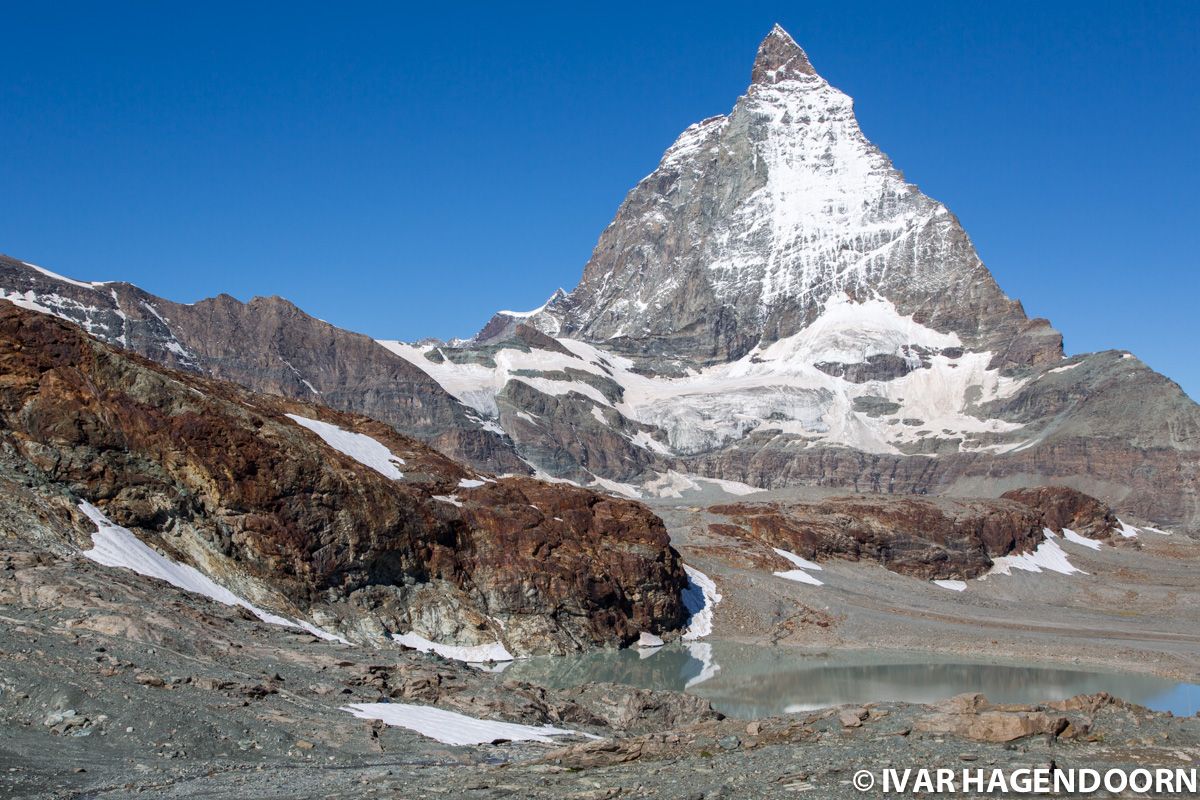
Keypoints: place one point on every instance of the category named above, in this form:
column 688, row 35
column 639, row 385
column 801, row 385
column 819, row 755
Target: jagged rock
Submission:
column 688, row 268
column 268, row 345
column 641, row 710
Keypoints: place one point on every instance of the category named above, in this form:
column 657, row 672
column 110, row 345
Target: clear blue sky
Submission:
column 406, row 171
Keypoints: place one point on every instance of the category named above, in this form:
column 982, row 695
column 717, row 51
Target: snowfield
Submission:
column 699, row 598
column 776, row 387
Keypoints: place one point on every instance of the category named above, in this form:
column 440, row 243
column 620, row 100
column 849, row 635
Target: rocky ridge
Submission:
column 271, row 346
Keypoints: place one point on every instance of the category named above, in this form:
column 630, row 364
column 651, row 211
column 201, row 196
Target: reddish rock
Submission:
column 1063, row 507
column 925, row 538
column 217, row 476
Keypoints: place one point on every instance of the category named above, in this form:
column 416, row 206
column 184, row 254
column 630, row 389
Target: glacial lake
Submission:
column 747, row 681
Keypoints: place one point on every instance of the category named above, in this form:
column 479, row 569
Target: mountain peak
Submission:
column 779, row 59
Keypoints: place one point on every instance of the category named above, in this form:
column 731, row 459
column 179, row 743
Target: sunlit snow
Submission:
column 470, row 653
column 952, row 585
column 1048, row 556
column 114, row 546
column 360, row 447
column 1072, row 536
column 799, row 575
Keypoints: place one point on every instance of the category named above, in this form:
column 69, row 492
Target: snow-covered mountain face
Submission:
column 774, row 274
column 754, row 220
column 795, row 385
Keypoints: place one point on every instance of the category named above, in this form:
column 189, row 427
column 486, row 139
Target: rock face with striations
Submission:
column 222, row 479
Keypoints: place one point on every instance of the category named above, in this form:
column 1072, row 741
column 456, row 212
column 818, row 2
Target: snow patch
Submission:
column 1048, row 556
column 954, row 586
column 1067, row 368
column 674, row 484
column 475, row 654
column 114, row 546
column 798, row 575
column 615, row 487
column 802, row 563
column 647, row 639
column 449, row 727
column 1072, row 536
column 644, row 440
column 62, row 278
column 361, row 448
column 1127, row 530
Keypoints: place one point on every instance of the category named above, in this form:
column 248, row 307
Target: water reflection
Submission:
column 749, row 681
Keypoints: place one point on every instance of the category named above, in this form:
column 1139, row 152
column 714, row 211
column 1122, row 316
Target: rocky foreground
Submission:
column 113, row 685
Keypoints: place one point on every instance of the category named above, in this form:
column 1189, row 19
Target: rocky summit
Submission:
column 754, row 221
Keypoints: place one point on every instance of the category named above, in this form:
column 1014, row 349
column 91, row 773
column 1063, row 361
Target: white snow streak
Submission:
column 114, row 546
column 361, row 448
column 798, row 575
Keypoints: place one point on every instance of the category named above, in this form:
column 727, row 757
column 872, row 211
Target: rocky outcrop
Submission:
column 218, row 477
column 971, row 716
column 1064, row 507
column 924, row 538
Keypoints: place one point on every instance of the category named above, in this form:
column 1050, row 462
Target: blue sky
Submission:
column 406, row 171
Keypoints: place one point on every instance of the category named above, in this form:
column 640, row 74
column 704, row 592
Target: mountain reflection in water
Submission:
column 749, row 681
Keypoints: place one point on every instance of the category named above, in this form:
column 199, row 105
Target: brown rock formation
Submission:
column 216, row 476
column 924, row 538
column 1063, row 507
